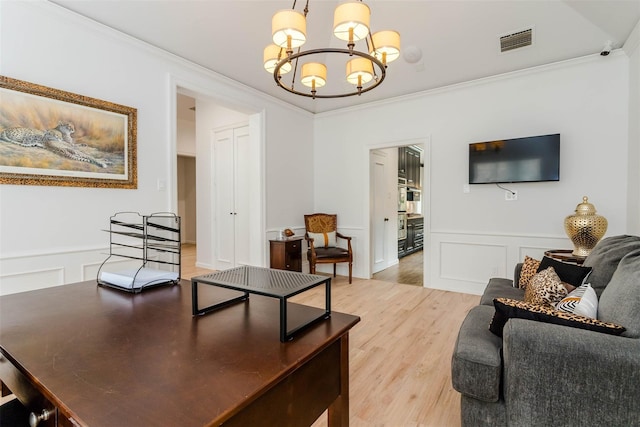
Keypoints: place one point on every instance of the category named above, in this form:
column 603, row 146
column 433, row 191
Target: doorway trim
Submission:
column 425, row 142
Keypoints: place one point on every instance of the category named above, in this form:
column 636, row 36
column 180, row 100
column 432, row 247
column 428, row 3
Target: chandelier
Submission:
column 364, row 69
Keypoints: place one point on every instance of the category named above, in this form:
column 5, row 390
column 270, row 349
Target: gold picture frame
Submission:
column 52, row 137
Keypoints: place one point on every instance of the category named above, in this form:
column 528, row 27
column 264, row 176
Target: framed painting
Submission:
column 52, row 137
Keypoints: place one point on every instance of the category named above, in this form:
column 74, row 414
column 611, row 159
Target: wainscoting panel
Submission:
column 464, row 262
column 480, row 260
column 29, row 271
column 535, row 252
column 31, row 280
column 90, row 270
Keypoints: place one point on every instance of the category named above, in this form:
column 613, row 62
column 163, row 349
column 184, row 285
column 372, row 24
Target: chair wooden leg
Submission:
column 350, row 269
column 334, row 270
column 312, row 268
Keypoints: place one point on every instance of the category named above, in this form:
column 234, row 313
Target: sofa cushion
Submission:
column 476, row 365
column 499, row 287
column 620, row 300
column 604, row 259
column 545, row 288
column 582, row 300
column 572, row 274
column 511, row 309
column 529, row 269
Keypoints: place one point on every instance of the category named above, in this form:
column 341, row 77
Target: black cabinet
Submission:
column 415, row 237
column 402, row 162
column 401, row 248
column 409, row 166
column 413, row 168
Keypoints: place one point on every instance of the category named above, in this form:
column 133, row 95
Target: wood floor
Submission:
column 400, row 352
column 409, row 271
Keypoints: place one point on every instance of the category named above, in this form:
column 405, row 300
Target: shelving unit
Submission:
column 152, row 240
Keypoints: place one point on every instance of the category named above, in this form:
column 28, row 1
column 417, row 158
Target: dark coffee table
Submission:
column 280, row 284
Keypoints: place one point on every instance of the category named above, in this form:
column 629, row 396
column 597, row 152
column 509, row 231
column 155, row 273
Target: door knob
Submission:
column 34, row 419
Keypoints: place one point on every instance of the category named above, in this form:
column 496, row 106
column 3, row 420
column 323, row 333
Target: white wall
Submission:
column 52, row 235
column 186, row 137
column 632, row 49
column 186, row 178
column 187, row 197
column 477, row 235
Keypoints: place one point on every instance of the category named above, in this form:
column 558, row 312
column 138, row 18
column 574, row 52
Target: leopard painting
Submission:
column 57, row 140
column 29, row 137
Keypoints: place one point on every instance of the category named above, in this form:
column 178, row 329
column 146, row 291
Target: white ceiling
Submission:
column 458, row 39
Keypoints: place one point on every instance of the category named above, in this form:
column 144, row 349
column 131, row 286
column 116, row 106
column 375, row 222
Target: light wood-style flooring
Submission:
column 409, row 270
column 400, row 352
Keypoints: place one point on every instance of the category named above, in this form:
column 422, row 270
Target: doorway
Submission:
column 195, row 141
column 405, row 215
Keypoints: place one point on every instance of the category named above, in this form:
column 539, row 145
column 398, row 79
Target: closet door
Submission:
column 242, row 196
column 231, row 188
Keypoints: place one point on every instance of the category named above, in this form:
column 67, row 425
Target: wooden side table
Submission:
column 564, row 255
column 286, row 254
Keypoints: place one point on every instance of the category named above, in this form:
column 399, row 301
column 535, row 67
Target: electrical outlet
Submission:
column 466, row 189
column 510, row 196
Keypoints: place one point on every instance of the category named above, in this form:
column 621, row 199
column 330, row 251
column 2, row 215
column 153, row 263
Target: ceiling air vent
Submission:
column 516, row 40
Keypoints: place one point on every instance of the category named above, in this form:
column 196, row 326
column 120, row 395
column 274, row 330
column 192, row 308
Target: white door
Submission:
column 241, row 197
column 379, row 216
column 231, row 197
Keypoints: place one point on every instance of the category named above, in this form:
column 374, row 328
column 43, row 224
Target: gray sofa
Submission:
column 543, row 374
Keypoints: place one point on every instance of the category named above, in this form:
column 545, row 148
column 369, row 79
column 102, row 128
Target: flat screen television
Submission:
column 531, row 159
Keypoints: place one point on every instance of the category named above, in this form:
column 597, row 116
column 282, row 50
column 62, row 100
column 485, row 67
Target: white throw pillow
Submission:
column 582, row 300
column 324, row 240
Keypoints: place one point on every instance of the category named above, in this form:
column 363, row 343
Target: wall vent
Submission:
column 516, row 40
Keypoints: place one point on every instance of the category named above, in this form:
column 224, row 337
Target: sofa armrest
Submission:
column 557, row 375
column 516, row 275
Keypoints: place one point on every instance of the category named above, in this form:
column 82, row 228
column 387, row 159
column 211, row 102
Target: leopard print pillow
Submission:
column 529, row 269
column 545, row 288
column 511, row 309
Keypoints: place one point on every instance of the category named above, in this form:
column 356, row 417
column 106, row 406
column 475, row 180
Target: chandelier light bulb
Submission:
column 387, row 46
column 272, row 55
column 314, row 74
column 359, row 71
column 289, row 29
column 351, row 21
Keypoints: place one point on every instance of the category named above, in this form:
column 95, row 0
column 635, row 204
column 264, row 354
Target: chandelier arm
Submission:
column 373, row 59
column 372, row 48
column 295, row 70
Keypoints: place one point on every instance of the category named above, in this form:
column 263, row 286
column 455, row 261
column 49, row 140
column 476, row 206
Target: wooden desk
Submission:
column 102, row 357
